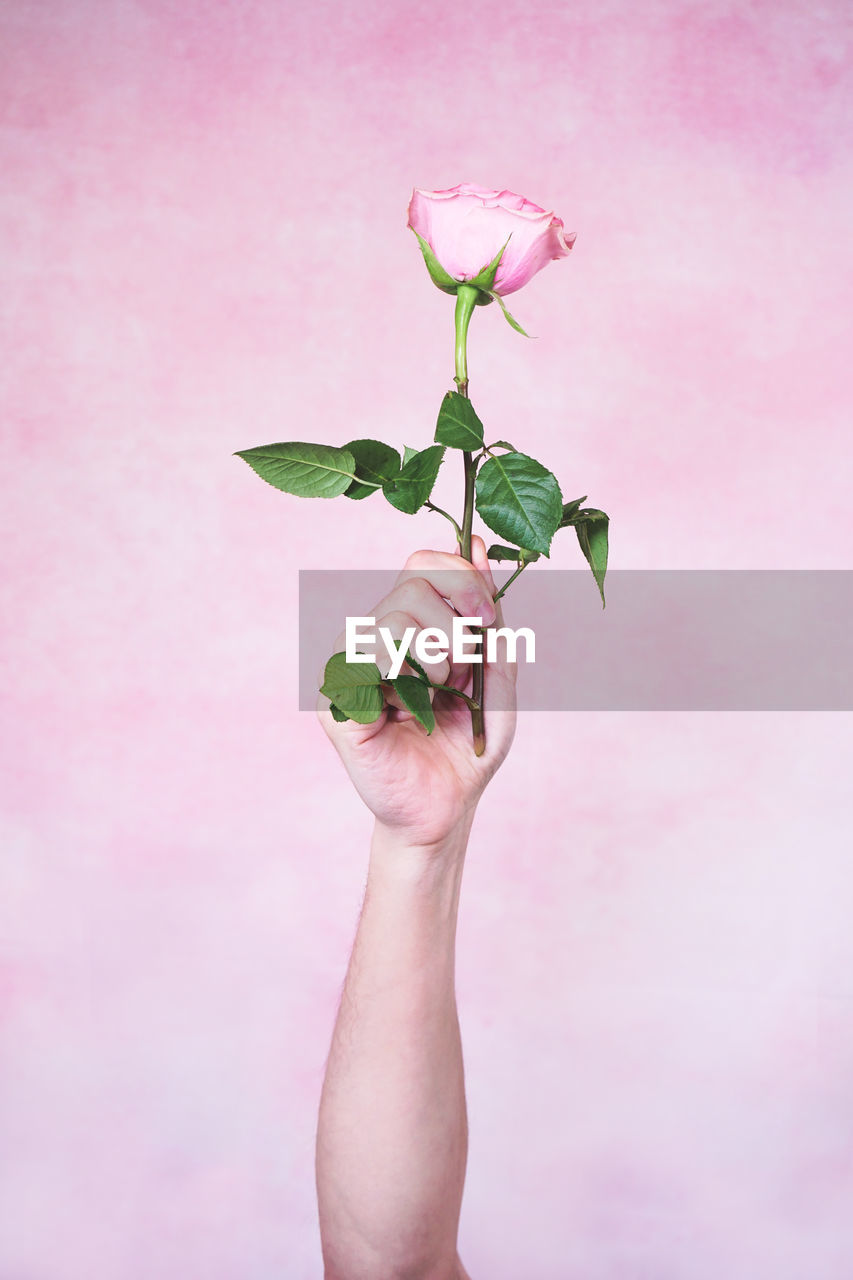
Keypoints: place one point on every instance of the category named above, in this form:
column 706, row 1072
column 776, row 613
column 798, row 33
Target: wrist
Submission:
column 401, row 844
column 397, row 857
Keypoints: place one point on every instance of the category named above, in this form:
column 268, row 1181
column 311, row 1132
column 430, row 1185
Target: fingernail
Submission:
column 478, row 606
column 486, row 610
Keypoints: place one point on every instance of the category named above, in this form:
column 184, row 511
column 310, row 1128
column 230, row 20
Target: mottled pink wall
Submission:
column 204, row 248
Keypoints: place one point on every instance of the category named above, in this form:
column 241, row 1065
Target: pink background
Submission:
column 203, row 228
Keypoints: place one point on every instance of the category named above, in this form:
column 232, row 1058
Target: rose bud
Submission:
column 495, row 240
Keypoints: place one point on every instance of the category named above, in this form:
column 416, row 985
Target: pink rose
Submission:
column 466, row 226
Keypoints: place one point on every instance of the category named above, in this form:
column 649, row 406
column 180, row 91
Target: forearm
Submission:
column 392, row 1135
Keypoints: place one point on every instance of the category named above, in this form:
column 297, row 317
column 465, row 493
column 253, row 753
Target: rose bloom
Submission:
column 466, row 226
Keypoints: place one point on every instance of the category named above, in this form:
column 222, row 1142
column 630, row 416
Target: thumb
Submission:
column 480, row 561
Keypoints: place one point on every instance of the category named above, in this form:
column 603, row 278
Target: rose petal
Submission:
column 466, row 225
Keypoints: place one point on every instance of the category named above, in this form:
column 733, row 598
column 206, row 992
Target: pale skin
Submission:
column 392, row 1135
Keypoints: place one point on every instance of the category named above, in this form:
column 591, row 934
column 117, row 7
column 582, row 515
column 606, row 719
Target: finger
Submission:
column 456, row 583
column 410, row 609
column 417, row 606
column 422, row 608
column 350, row 731
column 425, row 610
column 429, row 607
column 455, row 579
column 481, row 561
column 399, row 625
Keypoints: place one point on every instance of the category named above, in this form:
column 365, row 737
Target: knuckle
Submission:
column 413, row 593
column 415, row 560
column 421, row 559
column 397, row 622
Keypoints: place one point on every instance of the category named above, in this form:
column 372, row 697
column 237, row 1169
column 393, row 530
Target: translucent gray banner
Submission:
column 669, row 640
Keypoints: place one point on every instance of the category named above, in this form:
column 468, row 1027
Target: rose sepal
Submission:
column 510, row 319
column 441, row 278
column 484, row 280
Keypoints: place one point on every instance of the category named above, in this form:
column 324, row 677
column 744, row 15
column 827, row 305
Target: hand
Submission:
column 424, row 788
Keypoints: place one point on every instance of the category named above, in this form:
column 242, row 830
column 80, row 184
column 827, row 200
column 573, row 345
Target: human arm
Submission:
column 392, row 1132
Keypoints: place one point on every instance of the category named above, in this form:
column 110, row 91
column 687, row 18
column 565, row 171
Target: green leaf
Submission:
column 375, row 462
column 502, row 444
column 354, row 688
column 308, row 470
column 416, row 666
column 414, row 695
column 438, row 275
column 485, row 278
column 593, row 536
column 520, row 500
column 408, row 453
column 458, row 424
column 337, row 714
column 570, row 511
column 510, row 319
column 410, row 489
column 498, row 552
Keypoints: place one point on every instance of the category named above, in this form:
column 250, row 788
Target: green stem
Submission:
column 506, row 586
column 446, row 688
column 430, row 506
column 466, row 300
column 468, row 508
